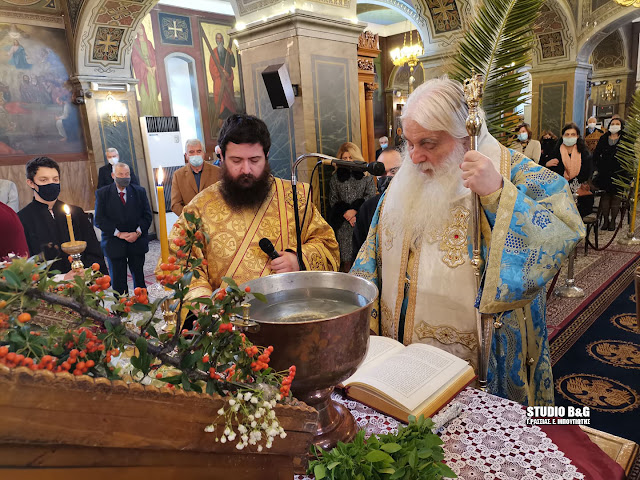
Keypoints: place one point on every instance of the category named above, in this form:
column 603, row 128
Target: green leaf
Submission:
column 231, row 282
column 140, row 307
column 260, row 297
column 189, row 217
column 378, row 456
column 186, row 384
column 141, row 345
column 332, row 465
column 388, row 470
column 12, row 278
column 319, row 471
column 391, row 447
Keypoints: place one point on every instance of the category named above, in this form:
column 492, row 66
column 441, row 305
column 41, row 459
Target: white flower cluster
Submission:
column 255, row 418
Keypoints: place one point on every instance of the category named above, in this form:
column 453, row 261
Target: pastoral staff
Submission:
column 249, row 204
column 418, row 248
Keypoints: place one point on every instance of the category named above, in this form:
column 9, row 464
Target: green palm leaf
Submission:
column 629, row 149
column 498, row 45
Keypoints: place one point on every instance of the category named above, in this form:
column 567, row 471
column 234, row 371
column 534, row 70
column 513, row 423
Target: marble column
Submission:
column 559, row 95
column 320, row 52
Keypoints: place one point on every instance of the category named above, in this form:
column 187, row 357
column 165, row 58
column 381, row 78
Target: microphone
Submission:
column 267, row 247
column 374, row 168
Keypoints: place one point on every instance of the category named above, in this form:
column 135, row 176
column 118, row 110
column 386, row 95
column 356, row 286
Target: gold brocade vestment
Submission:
column 232, row 249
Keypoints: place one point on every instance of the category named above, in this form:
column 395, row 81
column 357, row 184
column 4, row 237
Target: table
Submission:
column 490, row 440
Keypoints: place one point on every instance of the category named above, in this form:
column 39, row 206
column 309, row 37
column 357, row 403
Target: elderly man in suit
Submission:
column 124, row 216
column 104, row 173
column 193, row 178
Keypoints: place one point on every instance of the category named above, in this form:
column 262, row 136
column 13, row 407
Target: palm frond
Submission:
column 498, row 45
column 629, row 149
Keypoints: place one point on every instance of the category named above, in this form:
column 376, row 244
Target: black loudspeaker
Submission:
column 278, row 84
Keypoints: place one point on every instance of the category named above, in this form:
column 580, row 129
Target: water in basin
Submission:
column 306, row 304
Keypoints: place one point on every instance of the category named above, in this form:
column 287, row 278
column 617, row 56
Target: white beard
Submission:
column 419, row 202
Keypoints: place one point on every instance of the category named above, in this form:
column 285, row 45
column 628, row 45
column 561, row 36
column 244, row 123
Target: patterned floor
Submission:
column 593, row 272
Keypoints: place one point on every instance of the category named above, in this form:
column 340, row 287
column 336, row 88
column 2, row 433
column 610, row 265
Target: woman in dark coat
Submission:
column 347, row 192
column 572, row 160
column 608, row 167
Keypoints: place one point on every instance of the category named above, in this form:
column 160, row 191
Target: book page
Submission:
column 412, row 375
column 379, row 348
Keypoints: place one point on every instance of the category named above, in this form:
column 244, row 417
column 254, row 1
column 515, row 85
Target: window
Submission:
column 183, row 94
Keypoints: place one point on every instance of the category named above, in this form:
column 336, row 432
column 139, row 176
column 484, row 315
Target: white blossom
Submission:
column 209, row 428
column 221, row 411
column 223, row 439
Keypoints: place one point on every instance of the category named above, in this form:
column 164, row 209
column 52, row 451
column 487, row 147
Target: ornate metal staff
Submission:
column 473, row 95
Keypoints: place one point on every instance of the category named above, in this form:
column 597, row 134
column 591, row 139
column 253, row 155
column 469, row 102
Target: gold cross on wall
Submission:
column 107, row 43
column 175, row 29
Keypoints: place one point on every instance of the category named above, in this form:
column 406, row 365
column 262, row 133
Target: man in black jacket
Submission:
column 104, row 173
column 124, row 216
column 45, row 222
column 392, row 160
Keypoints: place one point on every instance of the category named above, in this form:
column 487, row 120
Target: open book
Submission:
column 400, row 381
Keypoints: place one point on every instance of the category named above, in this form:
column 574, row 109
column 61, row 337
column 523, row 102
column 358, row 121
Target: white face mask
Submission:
column 569, row 141
column 592, row 125
column 614, row 128
column 114, row 160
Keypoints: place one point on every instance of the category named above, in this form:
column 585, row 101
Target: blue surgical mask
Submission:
column 384, row 145
column 569, row 141
column 196, row 160
column 523, row 137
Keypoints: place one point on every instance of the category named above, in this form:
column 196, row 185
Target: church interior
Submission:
column 79, row 77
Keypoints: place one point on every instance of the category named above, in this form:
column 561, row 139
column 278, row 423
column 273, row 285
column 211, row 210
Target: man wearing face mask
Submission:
column 592, row 134
column 384, row 143
column 124, row 216
column 45, row 223
column 193, row 178
column 104, row 174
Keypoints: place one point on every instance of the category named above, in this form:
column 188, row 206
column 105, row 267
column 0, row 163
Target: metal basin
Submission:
column 319, row 322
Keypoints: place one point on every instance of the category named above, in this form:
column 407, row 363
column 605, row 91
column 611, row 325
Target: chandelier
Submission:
column 407, row 54
column 609, row 93
column 114, row 109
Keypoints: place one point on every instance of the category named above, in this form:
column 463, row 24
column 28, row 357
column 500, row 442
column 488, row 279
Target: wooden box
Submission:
column 61, row 426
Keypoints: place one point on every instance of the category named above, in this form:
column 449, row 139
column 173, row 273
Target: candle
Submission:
column 69, row 224
column 162, row 215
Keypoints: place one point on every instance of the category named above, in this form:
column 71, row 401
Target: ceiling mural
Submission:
column 445, row 15
column 554, row 41
column 108, row 30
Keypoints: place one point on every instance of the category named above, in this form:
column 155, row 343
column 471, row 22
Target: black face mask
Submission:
column 548, row 143
column 344, row 174
column 383, row 183
column 48, row 192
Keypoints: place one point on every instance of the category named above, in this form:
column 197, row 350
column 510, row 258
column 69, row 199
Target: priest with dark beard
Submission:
column 249, row 204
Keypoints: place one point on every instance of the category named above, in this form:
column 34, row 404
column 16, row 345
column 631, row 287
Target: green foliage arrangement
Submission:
column 413, row 453
column 498, row 45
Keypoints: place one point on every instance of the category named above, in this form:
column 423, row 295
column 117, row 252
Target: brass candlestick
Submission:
column 473, row 91
column 75, row 249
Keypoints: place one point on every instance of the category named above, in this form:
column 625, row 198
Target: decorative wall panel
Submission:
column 552, row 106
column 332, row 102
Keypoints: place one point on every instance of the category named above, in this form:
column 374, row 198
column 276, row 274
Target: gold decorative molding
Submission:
column 54, row 21
column 369, row 40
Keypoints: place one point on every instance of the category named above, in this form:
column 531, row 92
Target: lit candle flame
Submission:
column 160, row 176
column 66, row 209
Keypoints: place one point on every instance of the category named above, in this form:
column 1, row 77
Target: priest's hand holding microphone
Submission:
column 281, row 262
